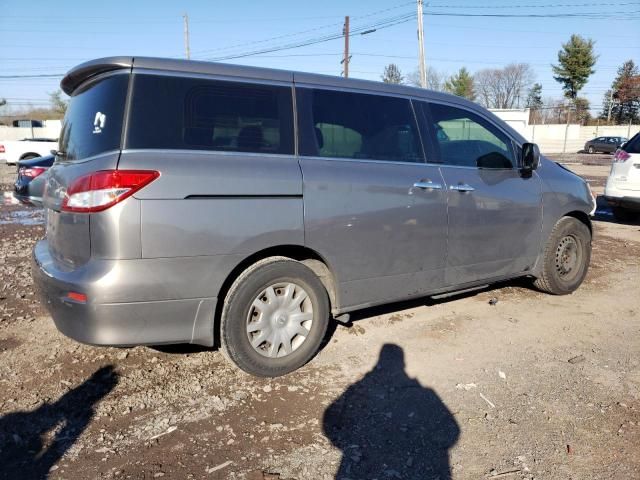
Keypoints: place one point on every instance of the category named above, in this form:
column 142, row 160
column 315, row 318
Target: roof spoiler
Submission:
column 84, row 71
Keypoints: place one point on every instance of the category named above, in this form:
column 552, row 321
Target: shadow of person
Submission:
column 32, row 442
column 389, row 426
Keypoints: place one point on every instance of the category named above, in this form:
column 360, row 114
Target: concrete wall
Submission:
column 551, row 138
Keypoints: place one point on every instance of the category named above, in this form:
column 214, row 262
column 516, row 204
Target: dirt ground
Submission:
column 502, row 383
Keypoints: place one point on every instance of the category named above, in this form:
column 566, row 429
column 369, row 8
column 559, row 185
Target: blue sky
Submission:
column 44, row 37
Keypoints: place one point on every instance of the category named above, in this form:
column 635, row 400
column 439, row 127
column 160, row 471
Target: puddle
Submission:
column 23, row 217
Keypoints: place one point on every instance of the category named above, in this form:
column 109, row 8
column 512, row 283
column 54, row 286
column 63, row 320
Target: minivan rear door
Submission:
column 373, row 208
column 90, row 141
column 495, row 214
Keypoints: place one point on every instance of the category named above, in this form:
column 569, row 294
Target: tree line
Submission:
column 513, row 87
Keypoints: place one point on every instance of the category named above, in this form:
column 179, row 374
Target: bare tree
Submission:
column 434, row 79
column 503, row 87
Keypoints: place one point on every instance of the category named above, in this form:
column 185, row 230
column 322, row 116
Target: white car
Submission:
column 622, row 190
column 12, row 151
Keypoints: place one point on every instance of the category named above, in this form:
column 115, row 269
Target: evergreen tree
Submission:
column 392, row 74
column 534, row 98
column 575, row 65
column 461, row 84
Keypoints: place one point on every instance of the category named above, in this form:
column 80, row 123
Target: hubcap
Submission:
column 279, row 320
column 567, row 257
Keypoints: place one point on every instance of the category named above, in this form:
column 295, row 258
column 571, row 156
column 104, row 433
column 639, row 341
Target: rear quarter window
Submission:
column 93, row 122
column 633, row 145
column 170, row 112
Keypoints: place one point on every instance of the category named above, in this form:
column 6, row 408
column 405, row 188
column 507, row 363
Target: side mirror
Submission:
column 530, row 158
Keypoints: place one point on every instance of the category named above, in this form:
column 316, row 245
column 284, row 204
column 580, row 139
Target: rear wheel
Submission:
column 274, row 318
column 29, row 156
column 566, row 257
column 591, row 149
column 624, row 215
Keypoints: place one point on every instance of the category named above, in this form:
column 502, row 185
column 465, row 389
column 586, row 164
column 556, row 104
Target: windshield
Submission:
column 93, row 122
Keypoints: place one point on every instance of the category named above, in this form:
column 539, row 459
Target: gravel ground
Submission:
column 505, row 383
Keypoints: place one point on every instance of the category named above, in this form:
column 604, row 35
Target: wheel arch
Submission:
column 582, row 217
column 307, row 256
column 29, row 155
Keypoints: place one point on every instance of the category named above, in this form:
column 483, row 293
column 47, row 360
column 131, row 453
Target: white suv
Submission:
column 622, row 190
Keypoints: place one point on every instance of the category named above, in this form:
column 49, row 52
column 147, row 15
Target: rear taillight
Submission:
column 1, row 148
column 621, row 156
column 98, row 191
column 32, row 172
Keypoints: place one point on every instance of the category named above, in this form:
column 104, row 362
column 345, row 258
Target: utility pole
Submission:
column 345, row 60
column 185, row 17
column 423, row 68
column 610, row 106
column 566, row 131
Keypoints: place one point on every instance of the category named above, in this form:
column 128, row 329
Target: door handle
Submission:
column 462, row 187
column 428, row 185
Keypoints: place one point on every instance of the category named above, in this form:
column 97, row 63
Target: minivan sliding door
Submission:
column 372, row 207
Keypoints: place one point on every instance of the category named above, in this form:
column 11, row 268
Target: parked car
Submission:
column 211, row 219
column 604, row 144
column 622, row 190
column 30, row 181
column 12, row 151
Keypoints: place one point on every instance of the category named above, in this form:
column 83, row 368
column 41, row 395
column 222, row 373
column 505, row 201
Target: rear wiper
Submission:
column 59, row 153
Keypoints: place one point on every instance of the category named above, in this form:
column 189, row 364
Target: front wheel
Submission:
column 274, row 317
column 566, row 257
column 591, row 150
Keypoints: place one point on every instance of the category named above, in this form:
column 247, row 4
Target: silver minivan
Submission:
column 243, row 207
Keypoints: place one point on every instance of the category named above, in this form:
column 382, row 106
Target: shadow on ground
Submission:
column 32, row 442
column 387, row 425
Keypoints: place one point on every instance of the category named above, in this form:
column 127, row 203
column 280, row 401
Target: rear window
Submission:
column 200, row 114
column 633, row 145
column 93, row 122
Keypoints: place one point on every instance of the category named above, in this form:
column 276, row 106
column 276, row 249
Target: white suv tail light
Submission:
column 100, row 190
column 621, row 156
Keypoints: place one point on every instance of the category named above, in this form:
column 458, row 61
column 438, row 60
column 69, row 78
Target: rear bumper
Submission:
column 631, row 203
column 28, row 200
column 121, row 323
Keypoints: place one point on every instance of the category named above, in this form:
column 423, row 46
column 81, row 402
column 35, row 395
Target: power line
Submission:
column 556, row 5
column 45, row 75
column 593, row 15
column 382, row 24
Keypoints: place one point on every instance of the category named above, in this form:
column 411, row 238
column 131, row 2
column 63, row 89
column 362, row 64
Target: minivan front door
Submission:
column 372, row 208
column 495, row 214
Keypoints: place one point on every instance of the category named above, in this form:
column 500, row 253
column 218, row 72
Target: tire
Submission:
column 260, row 294
column 29, row 156
column 591, row 150
column 624, row 215
column 566, row 257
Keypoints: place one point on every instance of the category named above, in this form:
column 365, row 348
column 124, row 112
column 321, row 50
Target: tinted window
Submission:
column 93, row 122
column 359, row 126
column 633, row 145
column 466, row 139
column 199, row 114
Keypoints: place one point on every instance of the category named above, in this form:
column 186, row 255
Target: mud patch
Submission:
column 10, row 343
